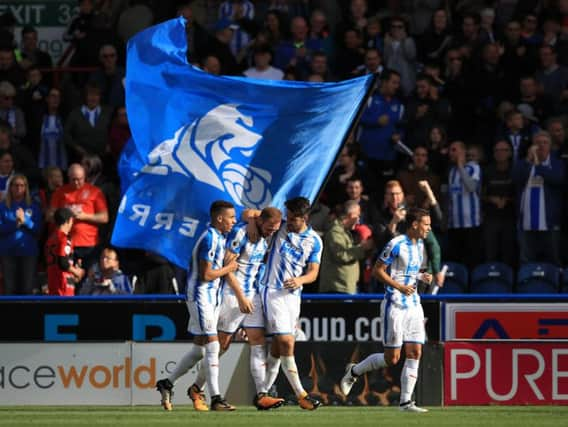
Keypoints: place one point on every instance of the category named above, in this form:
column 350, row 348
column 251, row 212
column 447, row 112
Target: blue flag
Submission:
column 197, row 138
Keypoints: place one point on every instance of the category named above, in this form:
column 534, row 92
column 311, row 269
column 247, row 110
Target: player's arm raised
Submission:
column 380, row 272
column 249, row 216
column 310, row 277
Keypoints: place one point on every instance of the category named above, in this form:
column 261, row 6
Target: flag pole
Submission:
column 354, row 124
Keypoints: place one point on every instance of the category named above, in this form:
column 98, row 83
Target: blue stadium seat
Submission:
column 457, row 279
column 492, row 278
column 564, row 282
column 538, row 278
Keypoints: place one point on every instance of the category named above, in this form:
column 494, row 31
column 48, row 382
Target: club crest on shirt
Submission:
column 290, row 250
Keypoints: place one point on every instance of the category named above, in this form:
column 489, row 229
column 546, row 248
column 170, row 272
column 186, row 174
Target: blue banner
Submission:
column 199, row 138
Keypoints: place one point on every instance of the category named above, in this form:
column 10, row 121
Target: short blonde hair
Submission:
column 392, row 184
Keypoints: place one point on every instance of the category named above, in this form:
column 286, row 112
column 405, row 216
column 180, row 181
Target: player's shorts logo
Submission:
column 215, row 149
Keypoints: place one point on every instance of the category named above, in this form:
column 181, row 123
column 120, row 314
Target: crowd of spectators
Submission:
column 468, row 120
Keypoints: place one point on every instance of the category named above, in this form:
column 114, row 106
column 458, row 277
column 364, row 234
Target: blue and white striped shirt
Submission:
column 52, row 150
column 226, row 10
column 211, row 248
column 290, row 255
column 240, row 37
column 464, row 208
column 533, row 204
column 404, row 259
column 250, row 257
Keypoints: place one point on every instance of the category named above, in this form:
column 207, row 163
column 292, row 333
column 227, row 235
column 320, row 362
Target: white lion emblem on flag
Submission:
column 203, row 150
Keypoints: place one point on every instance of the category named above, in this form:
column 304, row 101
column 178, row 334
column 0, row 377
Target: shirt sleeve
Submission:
column 100, row 202
column 63, row 254
column 237, row 239
column 389, row 253
column 206, row 251
column 315, row 255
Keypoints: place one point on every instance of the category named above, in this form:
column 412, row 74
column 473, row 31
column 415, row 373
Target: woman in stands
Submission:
column 20, row 224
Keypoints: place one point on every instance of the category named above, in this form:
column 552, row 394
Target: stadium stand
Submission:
column 492, row 277
column 457, row 279
column 564, row 282
column 538, row 278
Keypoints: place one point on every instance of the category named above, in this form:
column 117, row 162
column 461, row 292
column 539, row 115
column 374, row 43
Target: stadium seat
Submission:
column 457, row 278
column 564, row 281
column 492, row 278
column 538, row 278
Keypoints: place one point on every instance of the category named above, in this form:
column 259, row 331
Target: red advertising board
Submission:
column 506, row 373
column 506, row 321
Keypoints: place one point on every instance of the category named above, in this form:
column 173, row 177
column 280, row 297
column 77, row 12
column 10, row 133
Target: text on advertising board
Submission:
column 505, row 373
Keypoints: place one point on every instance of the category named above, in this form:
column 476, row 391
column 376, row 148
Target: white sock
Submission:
column 291, row 371
column 272, row 368
column 258, row 367
column 201, row 378
column 187, row 362
column 212, row 367
column 372, row 363
column 408, row 379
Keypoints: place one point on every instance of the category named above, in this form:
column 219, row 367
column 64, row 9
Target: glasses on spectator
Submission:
column 397, row 26
column 394, row 193
column 109, row 55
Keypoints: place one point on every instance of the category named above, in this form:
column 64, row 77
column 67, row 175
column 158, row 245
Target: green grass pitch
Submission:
column 484, row 416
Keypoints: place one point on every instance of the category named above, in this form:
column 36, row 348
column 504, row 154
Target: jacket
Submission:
column 340, row 261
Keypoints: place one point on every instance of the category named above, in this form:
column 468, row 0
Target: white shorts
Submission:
column 203, row 318
column 402, row 325
column 281, row 311
column 231, row 318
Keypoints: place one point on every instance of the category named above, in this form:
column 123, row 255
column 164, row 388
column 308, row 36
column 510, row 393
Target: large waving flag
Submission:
column 199, row 138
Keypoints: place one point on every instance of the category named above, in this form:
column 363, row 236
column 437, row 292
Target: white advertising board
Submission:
column 99, row 373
